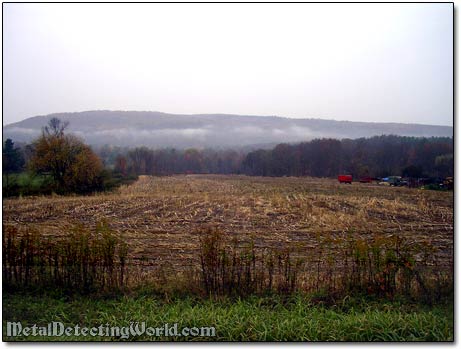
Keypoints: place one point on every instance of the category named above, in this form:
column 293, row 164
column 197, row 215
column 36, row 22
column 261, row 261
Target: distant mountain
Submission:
column 155, row 129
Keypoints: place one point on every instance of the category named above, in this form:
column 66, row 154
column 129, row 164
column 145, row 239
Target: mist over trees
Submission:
column 158, row 130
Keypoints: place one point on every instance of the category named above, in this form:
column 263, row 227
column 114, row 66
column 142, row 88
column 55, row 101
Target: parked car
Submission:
column 394, row 181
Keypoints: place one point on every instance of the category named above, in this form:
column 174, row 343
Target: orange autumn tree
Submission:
column 72, row 164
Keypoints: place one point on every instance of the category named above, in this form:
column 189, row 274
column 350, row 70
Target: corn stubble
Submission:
column 235, row 235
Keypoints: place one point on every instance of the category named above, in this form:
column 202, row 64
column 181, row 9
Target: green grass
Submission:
column 25, row 179
column 268, row 318
column 25, row 183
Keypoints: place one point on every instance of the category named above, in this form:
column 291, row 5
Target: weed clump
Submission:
column 380, row 266
column 78, row 262
column 230, row 267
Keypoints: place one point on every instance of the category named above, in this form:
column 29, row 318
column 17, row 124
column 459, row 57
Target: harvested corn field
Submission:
column 161, row 218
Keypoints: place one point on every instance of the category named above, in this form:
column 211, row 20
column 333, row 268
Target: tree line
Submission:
column 378, row 156
column 65, row 164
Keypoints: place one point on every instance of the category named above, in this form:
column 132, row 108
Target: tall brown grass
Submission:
column 96, row 261
column 233, row 268
column 81, row 261
column 380, row 266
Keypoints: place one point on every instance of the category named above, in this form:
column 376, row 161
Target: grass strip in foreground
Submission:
column 269, row 318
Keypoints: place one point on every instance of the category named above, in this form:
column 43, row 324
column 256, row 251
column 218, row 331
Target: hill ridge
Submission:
column 158, row 129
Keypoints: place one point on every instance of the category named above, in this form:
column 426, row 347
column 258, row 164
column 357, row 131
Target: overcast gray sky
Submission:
column 358, row 62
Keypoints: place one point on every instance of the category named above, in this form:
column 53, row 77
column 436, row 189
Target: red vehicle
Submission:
column 345, row 179
column 366, row 180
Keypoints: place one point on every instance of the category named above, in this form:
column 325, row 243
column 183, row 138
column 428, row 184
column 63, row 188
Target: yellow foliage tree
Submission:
column 71, row 163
